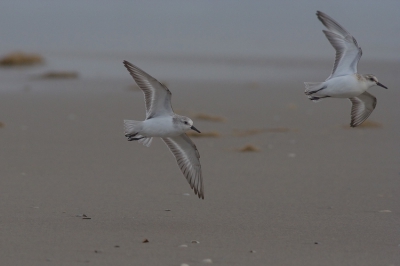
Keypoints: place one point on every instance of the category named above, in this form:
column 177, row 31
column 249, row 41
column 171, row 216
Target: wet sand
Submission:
column 313, row 192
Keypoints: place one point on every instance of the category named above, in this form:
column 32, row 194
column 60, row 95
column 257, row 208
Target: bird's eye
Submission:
column 186, row 122
column 371, row 79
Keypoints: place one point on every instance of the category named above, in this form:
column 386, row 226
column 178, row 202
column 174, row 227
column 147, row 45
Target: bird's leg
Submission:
column 130, row 135
column 312, row 98
column 130, row 139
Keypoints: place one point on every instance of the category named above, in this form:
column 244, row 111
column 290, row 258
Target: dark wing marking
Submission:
column 157, row 96
column 187, row 156
column 348, row 53
column 362, row 107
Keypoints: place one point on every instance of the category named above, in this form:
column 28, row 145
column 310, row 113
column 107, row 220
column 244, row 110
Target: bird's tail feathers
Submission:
column 311, row 88
column 132, row 129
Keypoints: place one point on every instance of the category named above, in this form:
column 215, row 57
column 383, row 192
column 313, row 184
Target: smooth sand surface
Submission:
column 316, row 193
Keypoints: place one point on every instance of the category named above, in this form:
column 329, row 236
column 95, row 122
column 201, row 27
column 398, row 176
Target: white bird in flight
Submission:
column 345, row 82
column 161, row 121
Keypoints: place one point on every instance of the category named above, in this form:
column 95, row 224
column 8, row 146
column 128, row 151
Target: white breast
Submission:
column 345, row 86
column 160, row 127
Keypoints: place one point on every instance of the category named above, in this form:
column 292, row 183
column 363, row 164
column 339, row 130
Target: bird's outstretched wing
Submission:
column 348, row 53
column 156, row 95
column 362, row 107
column 187, row 156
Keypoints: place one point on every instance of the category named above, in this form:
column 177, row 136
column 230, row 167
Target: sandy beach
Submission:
column 313, row 192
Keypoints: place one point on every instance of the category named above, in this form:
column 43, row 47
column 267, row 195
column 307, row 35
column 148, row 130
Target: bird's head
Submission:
column 186, row 123
column 372, row 81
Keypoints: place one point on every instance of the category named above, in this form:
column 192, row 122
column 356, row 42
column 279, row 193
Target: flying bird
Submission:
column 161, row 121
column 344, row 81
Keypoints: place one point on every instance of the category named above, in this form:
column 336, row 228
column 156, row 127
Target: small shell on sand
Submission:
column 145, row 240
column 21, row 59
column 195, row 242
column 249, row 148
column 85, row 217
column 208, row 117
column 211, row 134
column 207, row 261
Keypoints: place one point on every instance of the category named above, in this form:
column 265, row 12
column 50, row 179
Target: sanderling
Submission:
column 345, row 82
column 161, row 121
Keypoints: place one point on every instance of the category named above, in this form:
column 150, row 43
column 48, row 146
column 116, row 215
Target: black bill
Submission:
column 195, row 129
column 380, row 84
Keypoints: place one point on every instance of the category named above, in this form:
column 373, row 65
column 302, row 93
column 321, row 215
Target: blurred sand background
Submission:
column 310, row 190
